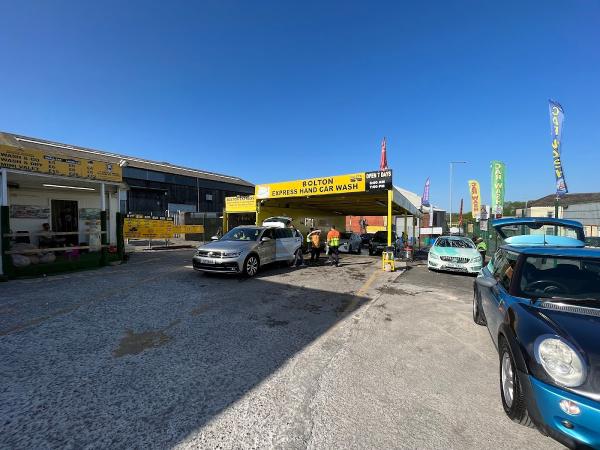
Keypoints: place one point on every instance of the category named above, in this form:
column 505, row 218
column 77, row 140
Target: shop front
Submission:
column 59, row 211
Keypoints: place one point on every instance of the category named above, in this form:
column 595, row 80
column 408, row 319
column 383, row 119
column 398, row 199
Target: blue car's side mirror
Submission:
column 486, row 282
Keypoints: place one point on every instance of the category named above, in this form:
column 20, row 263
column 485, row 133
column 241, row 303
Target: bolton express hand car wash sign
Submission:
column 338, row 184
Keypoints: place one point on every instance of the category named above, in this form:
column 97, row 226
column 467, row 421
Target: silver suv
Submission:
column 246, row 248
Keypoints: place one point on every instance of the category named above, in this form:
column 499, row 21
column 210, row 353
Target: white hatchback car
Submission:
column 454, row 253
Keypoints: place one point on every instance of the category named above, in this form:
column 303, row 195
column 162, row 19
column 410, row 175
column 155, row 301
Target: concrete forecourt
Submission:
column 152, row 354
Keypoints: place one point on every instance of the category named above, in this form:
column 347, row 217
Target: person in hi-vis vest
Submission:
column 333, row 241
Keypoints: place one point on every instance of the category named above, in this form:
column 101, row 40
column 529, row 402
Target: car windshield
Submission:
column 454, row 243
column 241, row 234
column 563, row 278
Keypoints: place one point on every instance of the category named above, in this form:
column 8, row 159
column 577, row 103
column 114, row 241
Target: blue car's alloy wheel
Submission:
column 512, row 396
column 507, row 375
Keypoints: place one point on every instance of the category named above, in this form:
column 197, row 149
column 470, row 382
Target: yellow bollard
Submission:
column 388, row 262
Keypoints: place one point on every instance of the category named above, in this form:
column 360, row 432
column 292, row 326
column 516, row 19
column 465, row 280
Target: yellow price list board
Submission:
column 56, row 164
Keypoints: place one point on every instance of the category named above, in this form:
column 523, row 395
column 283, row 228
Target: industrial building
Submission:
column 73, row 194
column 582, row 207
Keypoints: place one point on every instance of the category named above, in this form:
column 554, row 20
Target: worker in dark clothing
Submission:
column 315, row 246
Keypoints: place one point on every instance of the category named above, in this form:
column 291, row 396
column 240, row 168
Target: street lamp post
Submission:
column 451, row 170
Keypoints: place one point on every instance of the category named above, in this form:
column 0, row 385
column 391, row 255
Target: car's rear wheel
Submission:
column 478, row 316
column 511, row 393
column 251, row 265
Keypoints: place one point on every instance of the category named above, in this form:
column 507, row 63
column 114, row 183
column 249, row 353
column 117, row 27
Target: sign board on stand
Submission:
column 156, row 228
column 431, row 230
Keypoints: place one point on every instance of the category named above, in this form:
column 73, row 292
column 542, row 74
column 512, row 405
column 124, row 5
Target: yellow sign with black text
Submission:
column 339, row 184
column 158, row 228
column 188, row 229
column 55, row 164
column 240, row 204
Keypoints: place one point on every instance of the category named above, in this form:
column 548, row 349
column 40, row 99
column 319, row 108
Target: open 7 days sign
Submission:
column 379, row 181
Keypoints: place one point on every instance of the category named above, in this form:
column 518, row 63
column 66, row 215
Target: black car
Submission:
column 592, row 241
column 379, row 242
column 366, row 238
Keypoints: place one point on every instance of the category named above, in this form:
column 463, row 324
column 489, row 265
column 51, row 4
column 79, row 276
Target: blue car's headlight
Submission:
column 560, row 361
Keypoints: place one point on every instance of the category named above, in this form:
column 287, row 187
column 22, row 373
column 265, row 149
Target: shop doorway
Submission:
column 65, row 219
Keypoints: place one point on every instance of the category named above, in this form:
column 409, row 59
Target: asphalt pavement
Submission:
column 152, row 354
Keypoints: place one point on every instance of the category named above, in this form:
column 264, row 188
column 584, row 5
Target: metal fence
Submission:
column 212, row 222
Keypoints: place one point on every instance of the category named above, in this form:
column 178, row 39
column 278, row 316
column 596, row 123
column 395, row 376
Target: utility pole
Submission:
column 451, row 173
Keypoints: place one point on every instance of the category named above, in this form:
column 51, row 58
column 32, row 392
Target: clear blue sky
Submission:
column 257, row 89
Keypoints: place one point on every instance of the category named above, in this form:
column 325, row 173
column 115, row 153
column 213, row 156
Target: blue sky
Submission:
column 280, row 90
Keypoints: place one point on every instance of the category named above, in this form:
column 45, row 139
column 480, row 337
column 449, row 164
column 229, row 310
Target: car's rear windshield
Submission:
column 382, row 236
column 568, row 278
column 241, row 234
column 346, row 235
column 541, row 229
column 454, row 243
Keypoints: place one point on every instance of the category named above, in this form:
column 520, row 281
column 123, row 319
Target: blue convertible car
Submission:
column 540, row 300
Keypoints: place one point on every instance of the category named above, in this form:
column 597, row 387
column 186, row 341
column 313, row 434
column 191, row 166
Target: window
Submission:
column 571, row 278
column 269, row 233
column 454, row 243
column 283, row 233
column 241, row 234
column 503, row 265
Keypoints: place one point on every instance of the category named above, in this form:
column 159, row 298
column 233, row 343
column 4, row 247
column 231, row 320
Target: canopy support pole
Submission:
column 389, row 217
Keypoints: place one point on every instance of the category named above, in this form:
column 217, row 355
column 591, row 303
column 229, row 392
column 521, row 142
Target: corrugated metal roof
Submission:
column 415, row 199
column 25, row 142
column 566, row 200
